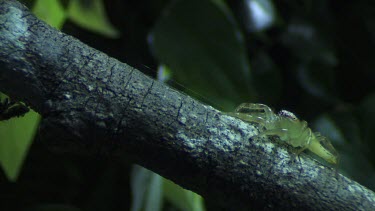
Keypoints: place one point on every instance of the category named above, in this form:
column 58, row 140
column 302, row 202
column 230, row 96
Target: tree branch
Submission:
column 93, row 104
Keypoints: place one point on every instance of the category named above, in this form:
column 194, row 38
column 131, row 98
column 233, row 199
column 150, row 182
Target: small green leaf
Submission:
column 205, row 49
column 92, row 16
column 164, row 73
column 16, row 136
column 50, row 11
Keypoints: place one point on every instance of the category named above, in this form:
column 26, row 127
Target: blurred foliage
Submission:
column 149, row 189
column 91, row 15
column 185, row 39
column 314, row 58
column 50, row 11
column 16, row 135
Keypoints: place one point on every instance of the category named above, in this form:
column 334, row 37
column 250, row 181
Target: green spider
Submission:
column 288, row 128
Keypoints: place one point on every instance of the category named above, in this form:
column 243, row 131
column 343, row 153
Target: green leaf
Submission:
column 183, row 199
column 16, row 136
column 205, row 50
column 50, row 11
column 147, row 190
column 92, row 16
column 154, row 195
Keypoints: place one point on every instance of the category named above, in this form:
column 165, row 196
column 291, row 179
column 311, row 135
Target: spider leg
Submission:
column 281, row 133
column 303, row 148
column 256, row 109
column 248, row 117
column 322, row 147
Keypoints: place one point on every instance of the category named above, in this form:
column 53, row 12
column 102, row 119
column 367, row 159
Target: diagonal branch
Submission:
column 93, row 104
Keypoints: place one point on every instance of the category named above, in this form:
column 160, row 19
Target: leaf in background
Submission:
column 268, row 81
column 258, row 15
column 342, row 129
column 147, row 190
column 315, row 60
column 50, row 11
column 205, row 50
column 92, row 16
column 327, row 127
column 366, row 114
column 164, row 74
column 318, row 80
column 16, row 136
column 154, row 194
column 183, row 199
column 307, row 43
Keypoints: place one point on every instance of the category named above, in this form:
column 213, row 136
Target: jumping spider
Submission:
column 288, row 128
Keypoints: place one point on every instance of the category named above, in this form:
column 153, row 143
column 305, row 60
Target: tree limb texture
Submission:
column 93, row 104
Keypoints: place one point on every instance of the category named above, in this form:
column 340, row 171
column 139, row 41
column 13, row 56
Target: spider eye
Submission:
column 287, row 114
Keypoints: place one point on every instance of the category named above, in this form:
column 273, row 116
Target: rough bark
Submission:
column 93, row 104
